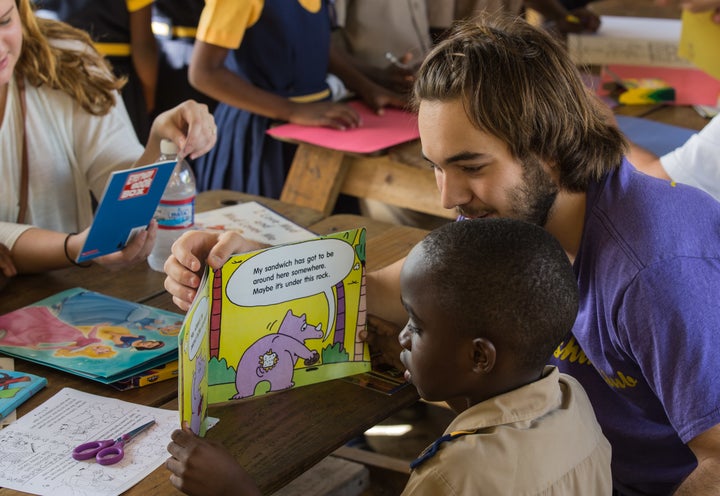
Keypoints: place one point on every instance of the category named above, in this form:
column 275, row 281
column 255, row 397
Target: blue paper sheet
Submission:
column 655, row 136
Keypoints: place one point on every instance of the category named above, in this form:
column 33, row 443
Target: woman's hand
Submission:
column 190, row 125
column 136, row 251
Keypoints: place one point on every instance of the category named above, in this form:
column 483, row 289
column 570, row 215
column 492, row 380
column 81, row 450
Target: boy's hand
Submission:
column 200, row 466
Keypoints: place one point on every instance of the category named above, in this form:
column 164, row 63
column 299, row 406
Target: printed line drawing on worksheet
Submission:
column 35, row 451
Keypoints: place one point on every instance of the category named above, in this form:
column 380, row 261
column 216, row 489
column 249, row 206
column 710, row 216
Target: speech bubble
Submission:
column 291, row 272
column 198, row 327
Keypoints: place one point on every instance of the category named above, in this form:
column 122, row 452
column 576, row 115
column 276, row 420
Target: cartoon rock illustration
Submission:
column 273, row 357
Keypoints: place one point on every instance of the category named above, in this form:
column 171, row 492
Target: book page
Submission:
column 290, row 316
column 254, row 221
column 35, row 451
column 270, row 320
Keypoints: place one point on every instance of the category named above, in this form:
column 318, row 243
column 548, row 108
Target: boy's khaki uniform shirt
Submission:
column 542, row 438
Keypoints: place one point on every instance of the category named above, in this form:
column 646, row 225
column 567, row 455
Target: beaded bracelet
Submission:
column 67, row 255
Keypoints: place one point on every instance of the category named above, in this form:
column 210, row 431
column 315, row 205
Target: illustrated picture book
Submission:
column 16, row 388
column 92, row 335
column 126, row 207
column 274, row 319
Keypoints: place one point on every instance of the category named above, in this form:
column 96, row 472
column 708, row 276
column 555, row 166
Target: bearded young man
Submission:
column 510, row 131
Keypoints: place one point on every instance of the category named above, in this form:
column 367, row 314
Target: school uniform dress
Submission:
column 108, row 23
column 282, row 47
column 542, row 438
column 174, row 24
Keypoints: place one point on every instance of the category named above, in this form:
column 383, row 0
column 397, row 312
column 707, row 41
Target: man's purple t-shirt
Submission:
column 648, row 270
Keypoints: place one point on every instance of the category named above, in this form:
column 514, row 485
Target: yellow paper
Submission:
column 699, row 41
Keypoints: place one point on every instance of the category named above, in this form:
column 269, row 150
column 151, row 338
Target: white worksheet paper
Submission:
column 254, row 221
column 35, row 450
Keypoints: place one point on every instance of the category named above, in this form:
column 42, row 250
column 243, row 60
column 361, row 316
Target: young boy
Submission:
column 488, row 302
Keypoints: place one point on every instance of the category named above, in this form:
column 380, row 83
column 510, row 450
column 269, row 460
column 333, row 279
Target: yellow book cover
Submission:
column 274, row 319
column 699, row 41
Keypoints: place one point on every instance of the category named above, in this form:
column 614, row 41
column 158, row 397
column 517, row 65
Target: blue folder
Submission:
column 655, row 136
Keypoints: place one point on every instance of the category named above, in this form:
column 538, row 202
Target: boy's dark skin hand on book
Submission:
column 194, row 457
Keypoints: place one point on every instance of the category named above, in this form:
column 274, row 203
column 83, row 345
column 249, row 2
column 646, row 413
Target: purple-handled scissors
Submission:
column 107, row 451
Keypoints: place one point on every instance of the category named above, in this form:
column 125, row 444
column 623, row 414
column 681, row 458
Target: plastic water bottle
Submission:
column 176, row 212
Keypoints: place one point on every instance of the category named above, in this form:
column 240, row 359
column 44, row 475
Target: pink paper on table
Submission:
column 692, row 86
column 376, row 132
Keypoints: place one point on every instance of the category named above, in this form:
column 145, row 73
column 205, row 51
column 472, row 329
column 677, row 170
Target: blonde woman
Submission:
column 63, row 130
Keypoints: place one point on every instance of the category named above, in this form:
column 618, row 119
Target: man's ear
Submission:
column 484, row 355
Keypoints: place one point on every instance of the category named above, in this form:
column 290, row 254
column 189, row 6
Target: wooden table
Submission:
column 139, row 284
column 276, row 437
column 401, row 177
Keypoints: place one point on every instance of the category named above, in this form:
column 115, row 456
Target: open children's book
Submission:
column 274, row 319
column 92, row 335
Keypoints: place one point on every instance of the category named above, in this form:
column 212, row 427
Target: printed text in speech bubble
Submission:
column 291, row 272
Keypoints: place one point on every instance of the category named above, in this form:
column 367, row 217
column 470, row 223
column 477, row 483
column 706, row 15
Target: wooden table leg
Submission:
column 315, row 178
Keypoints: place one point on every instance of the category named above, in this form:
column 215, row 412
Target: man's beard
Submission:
column 534, row 199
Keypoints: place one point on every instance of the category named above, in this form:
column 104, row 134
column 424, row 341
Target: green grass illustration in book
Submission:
column 274, row 319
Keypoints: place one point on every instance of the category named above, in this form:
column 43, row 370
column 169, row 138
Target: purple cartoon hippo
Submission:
column 273, row 357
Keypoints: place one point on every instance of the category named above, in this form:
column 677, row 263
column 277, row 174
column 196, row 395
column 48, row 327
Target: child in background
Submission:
column 174, row 24
column 266, row 62
column 121, row 31
column 64, row 131
column 488, row 302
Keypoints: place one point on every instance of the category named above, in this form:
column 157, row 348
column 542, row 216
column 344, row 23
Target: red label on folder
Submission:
column 138, row 184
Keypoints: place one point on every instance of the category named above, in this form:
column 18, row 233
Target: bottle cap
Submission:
column 168, row 147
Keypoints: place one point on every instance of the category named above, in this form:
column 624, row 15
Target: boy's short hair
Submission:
column 503, row 279
column 518, row 84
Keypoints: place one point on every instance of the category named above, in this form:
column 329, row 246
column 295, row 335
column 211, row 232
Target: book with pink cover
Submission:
column 377, row 132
